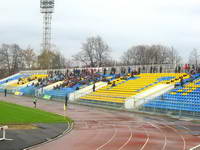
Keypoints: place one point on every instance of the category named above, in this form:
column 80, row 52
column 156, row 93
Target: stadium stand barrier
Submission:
column 172, row 108
column 50, row 87
column 142, row 98
column 12, row 76
column 87, row 90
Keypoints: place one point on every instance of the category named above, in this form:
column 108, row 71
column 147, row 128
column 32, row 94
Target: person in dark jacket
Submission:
column 181, row 81
column 35, row 101
column 160, row 69
column 66, row 100
column 94, row 87
column 5, row 92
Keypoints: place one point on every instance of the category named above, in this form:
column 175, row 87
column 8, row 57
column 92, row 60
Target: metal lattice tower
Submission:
column 46, row 8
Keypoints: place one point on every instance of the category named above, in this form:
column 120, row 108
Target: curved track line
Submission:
column 146, row 140
column 114, row 134
column 184, row 143
column 132, row 131
column 161, row 132
column 128, row 139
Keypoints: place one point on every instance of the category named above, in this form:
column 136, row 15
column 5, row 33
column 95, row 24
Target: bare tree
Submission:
column 58, row 60
column 173, row 56
column 51, row 60
column 81, row 58
column 193, row 57
column 11, row 57
column 95, row 52
column 5, row 58
column 30, row 58
column 148, row 55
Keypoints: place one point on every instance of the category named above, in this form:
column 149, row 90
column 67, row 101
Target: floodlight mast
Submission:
column 46, row 8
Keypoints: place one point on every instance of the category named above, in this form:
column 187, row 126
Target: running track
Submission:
column 100, row 129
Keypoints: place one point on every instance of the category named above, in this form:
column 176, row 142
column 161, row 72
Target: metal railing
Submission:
column 171, row 107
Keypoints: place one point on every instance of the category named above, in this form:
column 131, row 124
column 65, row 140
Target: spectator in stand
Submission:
column 198, row 70
column 109, row 82
column 143, row 69
column 94, row 87
column 193, row 67
column 154, row 69
column 185, row 67
column 181, row 81
column 176, row 69
column 139, row 70
column 104, row 71
column 160, row 69
column 129, row 69
column 132, row 74
column 151, row 69
column 113, row 84
column 114, row 70
column 179, row 69
column 188, row 68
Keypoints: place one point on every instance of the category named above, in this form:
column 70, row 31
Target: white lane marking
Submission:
column 188, row 129
column 113, row 136
column 161, row 132
column 180, row 136
column 195, row 148
column 146, row 140
column 127, row 140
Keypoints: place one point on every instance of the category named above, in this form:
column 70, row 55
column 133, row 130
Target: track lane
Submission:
column 94, row 127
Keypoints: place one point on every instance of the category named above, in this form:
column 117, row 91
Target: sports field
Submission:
column 16, row 114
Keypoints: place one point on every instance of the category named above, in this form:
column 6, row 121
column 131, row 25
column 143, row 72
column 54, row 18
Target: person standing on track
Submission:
column 5, row 92
column 66, row 101
column 35, row 101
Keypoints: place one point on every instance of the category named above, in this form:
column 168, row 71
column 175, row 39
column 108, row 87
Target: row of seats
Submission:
column 15, row 77
column 186, row 98
column 24, row 81
column 61, row 93
column 124, row 89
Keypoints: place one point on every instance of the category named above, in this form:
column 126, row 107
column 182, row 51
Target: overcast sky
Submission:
column 121, row 23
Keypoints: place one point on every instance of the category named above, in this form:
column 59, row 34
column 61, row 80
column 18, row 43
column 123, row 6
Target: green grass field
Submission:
column 16, row 114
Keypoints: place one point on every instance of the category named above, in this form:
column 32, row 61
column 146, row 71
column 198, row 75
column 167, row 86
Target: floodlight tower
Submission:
column 46, row 8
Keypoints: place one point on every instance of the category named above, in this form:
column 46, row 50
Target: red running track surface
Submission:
column 101, row 129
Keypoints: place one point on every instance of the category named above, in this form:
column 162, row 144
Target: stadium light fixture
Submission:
column 47, row 8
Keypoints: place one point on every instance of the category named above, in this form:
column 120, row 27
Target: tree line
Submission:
column 14, row 59
column 95, row 52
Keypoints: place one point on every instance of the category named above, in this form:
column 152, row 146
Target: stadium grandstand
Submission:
column 130, row 89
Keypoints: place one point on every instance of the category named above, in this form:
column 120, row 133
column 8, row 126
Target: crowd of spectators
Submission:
column 192, row 69
column 68, row 78
column 73, row 77
column 22, row 81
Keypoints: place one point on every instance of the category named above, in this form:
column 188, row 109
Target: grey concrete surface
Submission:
column 26, row 138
